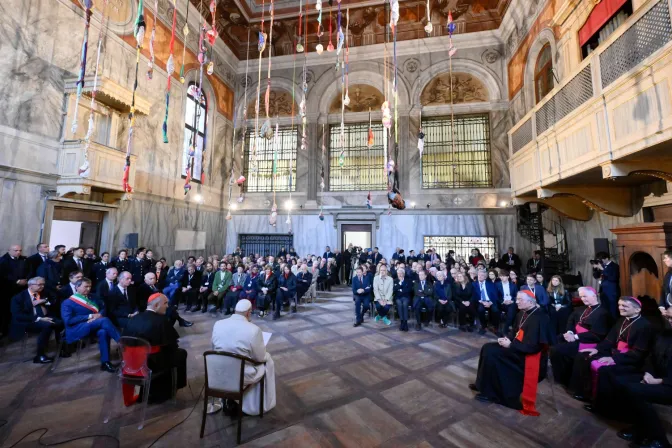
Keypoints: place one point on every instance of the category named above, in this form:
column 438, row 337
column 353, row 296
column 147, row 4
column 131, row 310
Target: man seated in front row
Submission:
column 30, row 315
column 152, row 326
column 84, row 317
column 509, row 369
column 240, row 336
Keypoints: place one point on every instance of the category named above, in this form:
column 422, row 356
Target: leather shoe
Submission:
column 482, row 398
column 276, row 316
column 627, row 434
column 473, row 387
column 589, row 407
column 579, row 397
column 42, row 359
column 357, row 324
column 108, row 367
column 185, row 323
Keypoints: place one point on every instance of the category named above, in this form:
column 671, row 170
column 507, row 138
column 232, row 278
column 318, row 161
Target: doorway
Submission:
column 74, row 227
column 357, row 234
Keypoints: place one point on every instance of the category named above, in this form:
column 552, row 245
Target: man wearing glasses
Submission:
column 30, row 314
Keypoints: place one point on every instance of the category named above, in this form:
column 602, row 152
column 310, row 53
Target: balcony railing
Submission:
column 106, row 167
column 615, row 103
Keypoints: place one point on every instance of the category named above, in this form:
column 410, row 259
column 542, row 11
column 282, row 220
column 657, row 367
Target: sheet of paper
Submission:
column 267, row 337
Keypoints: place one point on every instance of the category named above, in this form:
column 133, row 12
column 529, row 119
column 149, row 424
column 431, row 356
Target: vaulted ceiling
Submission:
column 368, row 20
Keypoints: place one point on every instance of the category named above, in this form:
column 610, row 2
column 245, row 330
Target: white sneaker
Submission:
column 261, row 314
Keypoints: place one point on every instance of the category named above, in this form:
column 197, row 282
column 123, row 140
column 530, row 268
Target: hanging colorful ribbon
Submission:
column 152, row 59
column 185, row 32
column 302, row 105
column 421, row 137
column 212, row 32
column 261, row 46
column 84, row 169
column 299, row 46
column 273, row 218
column 346, row 100
column 139, row 33
column 318, row 7
column 330, row 47
column 241, row 179
column 266, row 129
column 170, row 68
column 451, row 52
column 82, row 63
column 429, row 27
column 323, row 162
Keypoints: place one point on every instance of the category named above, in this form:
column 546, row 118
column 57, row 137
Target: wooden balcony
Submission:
column 610, row 119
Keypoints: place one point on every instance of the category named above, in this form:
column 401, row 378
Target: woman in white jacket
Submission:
column 382, row 292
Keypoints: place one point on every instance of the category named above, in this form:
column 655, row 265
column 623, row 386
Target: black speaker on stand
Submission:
column 131, row 241
column 601, row 245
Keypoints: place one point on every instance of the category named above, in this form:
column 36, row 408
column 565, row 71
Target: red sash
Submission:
column 128, row 390
column 580, row 330
column 530, row 381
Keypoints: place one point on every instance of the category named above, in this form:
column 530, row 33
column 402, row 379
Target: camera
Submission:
column 595, row 262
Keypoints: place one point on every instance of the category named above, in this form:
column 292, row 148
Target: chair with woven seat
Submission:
column 225, row 378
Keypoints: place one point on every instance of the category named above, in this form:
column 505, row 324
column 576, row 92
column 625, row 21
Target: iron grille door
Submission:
column 462, row 245
column 264, row 244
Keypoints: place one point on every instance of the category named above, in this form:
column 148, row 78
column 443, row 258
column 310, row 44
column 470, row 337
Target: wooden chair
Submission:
column 225, row 378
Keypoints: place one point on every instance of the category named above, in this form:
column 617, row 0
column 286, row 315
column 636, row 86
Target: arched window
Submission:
column 543, row 73
column 195, row 120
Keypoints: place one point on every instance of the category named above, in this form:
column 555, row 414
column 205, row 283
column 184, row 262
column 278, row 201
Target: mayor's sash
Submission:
column 85, row 302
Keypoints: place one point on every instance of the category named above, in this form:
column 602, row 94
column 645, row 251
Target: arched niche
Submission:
column 466, row 88
column 362, row 99
column 644, row 275
column 279, row 104
column 277, row 83
column 545, row 37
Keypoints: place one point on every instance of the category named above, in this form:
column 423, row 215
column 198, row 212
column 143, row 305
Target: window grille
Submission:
column 362, row 167
column 264, row 244
column 462, row 245
column 285, row 155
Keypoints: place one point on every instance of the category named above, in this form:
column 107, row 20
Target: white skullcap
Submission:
column 243, row 306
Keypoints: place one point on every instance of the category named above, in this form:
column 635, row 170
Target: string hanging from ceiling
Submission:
column 84, row 169
column 139, row 33
column 330, row 46
column 322, row 164
column 266, row 128
column 170, row 68
column 429, row 27
column 273, row 218
column 421, row 136
column 451, row 52
column 318, row 48
column 88, row 4
column 185, row 33
column 394, row 195
column 291, row 161
column 152, row 38
column 341, row 156
column 261, row 46
column 304, row 95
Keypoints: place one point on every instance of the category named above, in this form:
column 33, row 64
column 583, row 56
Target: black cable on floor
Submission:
column 198, row 399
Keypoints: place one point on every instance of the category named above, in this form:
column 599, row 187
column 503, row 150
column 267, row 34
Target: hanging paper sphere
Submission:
column 318, row 5
column 212, row 36
column 170, row 65
column 213, row 6
column 228, row 216
column 192, row 151
column 319, row 48
column 421, row 141
column 289, row 222
column 340, row 40
column 429, row 28
column 84, row 170
column 304, row 143
column 346, row 100
column 341, row 160
column 371, row 139
column 185, row 30
column 299, row 48
column 273, row 219
column 240, row 180
column 321, row 216
column 330, row 47
column 139, row 31
column 266, row 130
column 262, row 42
column 322, row 184
column 211, row 68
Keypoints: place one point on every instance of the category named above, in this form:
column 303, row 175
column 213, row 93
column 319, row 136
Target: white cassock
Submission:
column 237, row 335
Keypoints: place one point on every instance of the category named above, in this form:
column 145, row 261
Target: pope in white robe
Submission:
column 240, row 336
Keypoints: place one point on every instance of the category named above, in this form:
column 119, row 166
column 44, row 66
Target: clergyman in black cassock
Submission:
column 586, row 327
column 152, row 326
column 509, row 369
column 623, row 350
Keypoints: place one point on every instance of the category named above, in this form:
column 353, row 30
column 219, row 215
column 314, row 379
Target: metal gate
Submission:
column 264, row 244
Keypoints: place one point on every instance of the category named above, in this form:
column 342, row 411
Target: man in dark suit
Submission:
column 99, row 269
column 376, row 256
column 153, row 327
column 485, row 294
column 35, row 260
column 90, row 255
column 412, row 257
column 207, row 280
column 511, row 262
column 138, row 267
column 191, row 283
column 433, row 257
column 150, row 262
column 506, row 295
column 540, row 293
column 610, row 288
column 76, row 263
column 121, row 302
column 107, row 285
column 361, row 291
column 68, row 289
column 50, row 271
column 535, row 265
column 328, row 253
column 450, row 259
column 666, row 290
column 30, row 315
column 303, row 281
column 149, row 288
column 14, row 272
column 424, row 298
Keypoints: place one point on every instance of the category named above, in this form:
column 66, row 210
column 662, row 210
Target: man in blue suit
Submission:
column 485, row 294
column 174, row 280
column 506, row 294
column 610, row 288
column 83, row 317
column 361, row 291
column 539, row 292
column 30, row 315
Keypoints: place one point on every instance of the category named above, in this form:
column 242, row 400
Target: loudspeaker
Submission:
column 131, row 240
column 601, row 245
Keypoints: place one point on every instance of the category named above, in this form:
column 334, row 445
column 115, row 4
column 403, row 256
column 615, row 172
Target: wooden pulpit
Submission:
column 640, row 248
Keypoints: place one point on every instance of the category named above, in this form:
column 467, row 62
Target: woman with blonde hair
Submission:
column 560, row 304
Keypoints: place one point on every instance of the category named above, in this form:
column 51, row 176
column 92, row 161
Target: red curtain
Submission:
column 600, row 15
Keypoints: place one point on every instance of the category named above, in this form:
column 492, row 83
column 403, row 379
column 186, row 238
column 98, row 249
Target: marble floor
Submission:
column 337, row 386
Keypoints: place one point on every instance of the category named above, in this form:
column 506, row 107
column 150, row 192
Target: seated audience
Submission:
column 236, row 288
column 174, row 281
column 509, row 369
column 267, row 284
column 506, row 294
column 207, row 280
column 189, row 287
column 303, row 281
column 50, row 271
column 121, row 304
column 240, row 336
column 250, row 285
column 666, row 290
column 152, row 326
column 30, row 314
column 476, row 257
column 586, row 327
column 361, row 292
column 149, row 288
column 443, row 297
column 467, row 305
column 107, row 285
column 403, row 291
column 623, row 350
column 485, row 294
column 220, row 287
column 286, row 291
column 423, row 297
column 161, row 272
column 84, row 317
column 383, row 287
column 538, row 291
